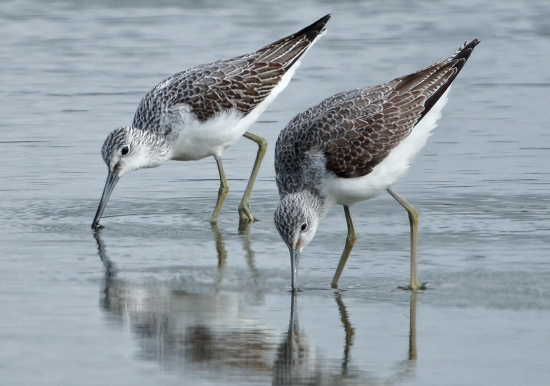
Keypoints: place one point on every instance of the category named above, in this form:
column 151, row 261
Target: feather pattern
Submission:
column 353, row 131
column 239, row 83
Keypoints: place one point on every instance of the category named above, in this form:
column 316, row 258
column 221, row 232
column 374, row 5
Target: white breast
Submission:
column 349, row 191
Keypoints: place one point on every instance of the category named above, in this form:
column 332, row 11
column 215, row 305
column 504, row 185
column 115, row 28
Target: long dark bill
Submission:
column 112, row 179
column 294, row 263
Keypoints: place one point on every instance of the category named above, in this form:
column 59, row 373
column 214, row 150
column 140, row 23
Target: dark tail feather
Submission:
column 311, row 31
column 289, row 49
column 458, row 61
column 465, row 51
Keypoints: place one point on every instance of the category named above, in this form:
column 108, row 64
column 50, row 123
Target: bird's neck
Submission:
column 317, row 202
column 159, row 149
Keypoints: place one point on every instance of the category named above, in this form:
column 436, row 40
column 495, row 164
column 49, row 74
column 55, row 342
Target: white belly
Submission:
column 349, row 191
column 197, row 140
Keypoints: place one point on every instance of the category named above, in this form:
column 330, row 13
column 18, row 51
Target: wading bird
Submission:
column 354, row 146
column 202, row 111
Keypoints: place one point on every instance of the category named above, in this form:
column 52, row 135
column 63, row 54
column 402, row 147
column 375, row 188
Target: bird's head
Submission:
column 127, row 149
column 296, row 219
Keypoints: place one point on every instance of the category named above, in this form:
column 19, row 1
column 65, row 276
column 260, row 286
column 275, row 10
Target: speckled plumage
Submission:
column 353, row 131
column 156, row 145
column 352, row 147
column 200, row 112
column 239, row 83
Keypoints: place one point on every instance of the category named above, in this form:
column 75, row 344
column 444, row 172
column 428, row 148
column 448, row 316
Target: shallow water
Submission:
column 160, row 296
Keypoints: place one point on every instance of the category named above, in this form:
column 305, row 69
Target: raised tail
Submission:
column 457, row 61
column 434, row 80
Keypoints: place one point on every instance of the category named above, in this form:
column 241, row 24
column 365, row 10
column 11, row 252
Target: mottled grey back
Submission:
column 356, row 129
column 241, row 83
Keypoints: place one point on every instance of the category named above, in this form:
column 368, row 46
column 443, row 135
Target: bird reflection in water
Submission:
column 296, row 362
column 197, row 330
column 213, row 334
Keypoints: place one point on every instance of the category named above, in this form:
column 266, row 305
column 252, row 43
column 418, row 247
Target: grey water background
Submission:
column 159, row 296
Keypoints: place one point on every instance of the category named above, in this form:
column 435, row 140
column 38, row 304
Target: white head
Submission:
column 127, row 149
column 296, row 219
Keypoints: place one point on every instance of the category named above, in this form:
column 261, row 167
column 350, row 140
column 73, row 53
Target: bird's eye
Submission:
column 125, row 150
column 304, row 226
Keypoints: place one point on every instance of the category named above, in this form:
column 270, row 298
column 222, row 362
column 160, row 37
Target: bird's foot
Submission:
column 421, row 287
column 245, row 213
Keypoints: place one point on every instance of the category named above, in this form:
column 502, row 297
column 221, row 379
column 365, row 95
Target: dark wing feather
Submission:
column 242, row 82
column 360, row 129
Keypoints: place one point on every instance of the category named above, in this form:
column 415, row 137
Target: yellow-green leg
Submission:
column 350, row 242
column 413, row 220
column 245, row 213
column 222, row 193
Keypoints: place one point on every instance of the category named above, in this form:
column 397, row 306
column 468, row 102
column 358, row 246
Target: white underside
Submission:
column 349, row 191
column 197, row 140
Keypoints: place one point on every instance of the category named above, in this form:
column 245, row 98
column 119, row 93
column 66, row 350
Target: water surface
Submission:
column 159, row 296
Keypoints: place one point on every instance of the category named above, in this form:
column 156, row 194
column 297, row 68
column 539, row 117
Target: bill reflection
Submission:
column 213, row 335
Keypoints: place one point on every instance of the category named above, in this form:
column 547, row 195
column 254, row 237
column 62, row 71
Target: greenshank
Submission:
column 354, row 146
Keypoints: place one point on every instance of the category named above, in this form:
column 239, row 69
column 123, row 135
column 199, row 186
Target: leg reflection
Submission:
column 350, row 331
column 192, row 326
column 222, row 259
column 249, row 256
column 222, row 256
column 412, row 328
column 407, row 368
column 244, row 227
column 220, row 246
